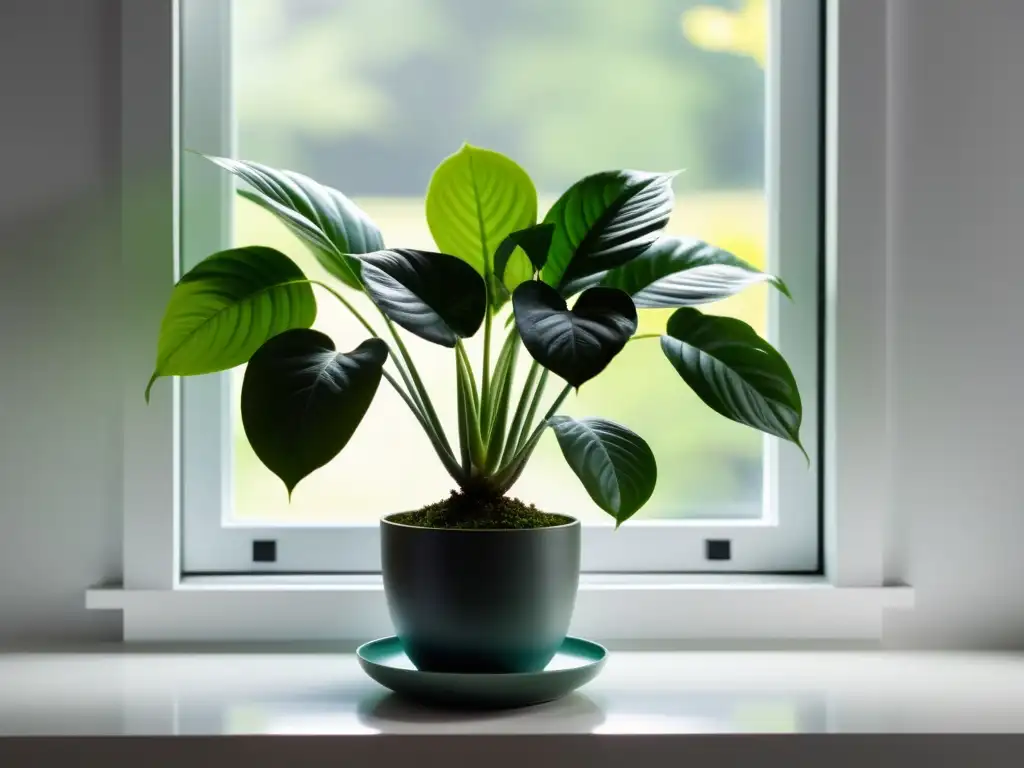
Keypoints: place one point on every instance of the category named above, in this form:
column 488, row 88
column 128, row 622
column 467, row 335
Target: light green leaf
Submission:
column 331, row 224
column 614, row 463
column 680, row 272
column 477, row 198
column 226, row 306
column 734, row 371
column 518, row 257
column 302, row 401
column 603, row 221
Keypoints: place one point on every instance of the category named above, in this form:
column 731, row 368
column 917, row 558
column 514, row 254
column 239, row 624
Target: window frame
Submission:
column 785, row 539
column 848, row 601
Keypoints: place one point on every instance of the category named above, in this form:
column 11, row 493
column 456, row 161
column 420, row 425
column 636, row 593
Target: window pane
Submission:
column 369, row 95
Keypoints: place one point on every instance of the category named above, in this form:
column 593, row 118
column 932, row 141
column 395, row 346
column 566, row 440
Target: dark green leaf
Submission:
column 734, row 371
column 475, row 199
column 226, row 306
column 614, row 463
column 302, row 401
column 576, row 344
column 522, row 253
column 326, row 219
column 436, row 296
column 603, row 221
column 680, row 272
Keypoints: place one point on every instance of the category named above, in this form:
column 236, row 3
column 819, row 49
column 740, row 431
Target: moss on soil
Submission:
column 471, row 511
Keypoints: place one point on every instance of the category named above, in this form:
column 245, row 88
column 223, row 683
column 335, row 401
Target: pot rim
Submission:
column 573, row 521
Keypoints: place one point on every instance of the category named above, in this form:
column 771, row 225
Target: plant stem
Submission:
column 640, row 336
column 466, row 386
column 348, row 305
column 504, row 375
column 508, row 476
column 421, row 409
column 373, row 332
column 538, row 394
column 457, row 473
column 463, row 408
column 485, row 382
column 424, row 396
column 520, row 413
column 500, row 377
column 460, row 351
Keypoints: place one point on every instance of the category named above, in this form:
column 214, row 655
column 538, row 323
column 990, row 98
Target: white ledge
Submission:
column 609, row 608
column 115, row 690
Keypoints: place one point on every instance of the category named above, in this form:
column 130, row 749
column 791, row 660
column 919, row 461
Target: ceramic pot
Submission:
column 480, row 600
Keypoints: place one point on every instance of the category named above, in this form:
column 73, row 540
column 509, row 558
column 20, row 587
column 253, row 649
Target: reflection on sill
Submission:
column 685, row 713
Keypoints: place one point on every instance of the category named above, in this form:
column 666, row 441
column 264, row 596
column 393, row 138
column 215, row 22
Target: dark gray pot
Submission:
column 480, row 600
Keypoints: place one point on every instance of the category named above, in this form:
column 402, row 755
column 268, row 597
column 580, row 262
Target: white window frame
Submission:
column 846, row 601
column 785, row 538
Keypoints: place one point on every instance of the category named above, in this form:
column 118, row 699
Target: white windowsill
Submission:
column 617, row 609
column 643, row 709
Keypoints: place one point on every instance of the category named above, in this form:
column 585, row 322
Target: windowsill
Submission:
column 185, row 691
column 615, row 608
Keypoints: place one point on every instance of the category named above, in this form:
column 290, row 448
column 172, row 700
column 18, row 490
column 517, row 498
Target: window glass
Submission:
column 369, row 95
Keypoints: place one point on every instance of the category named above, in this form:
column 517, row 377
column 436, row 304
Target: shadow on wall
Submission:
column 60, row 394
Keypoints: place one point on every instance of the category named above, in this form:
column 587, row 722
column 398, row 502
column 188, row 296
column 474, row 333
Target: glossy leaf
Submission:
column 576, row 344
column 226, row 306
column 614, row 463
column 433, row 295
column 603, row 221
column 302, row 400
column 327, row 220
column 734, row 371
column 680, row 272
column 519, row 256
column 477, row 198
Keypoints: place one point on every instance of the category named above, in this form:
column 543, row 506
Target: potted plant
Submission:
column 480, row 581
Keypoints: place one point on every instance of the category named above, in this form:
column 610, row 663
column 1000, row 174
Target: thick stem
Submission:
column 520, row 414
column 460, row 350
column 500, row 378
column 505, row 372
column 514, row 469
column 465, row 385
column 534, row 405
column 485, row 381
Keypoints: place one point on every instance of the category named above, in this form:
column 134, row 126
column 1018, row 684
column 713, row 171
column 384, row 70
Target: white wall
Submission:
column 957, row 197
column 60, row 431
column 957, row 272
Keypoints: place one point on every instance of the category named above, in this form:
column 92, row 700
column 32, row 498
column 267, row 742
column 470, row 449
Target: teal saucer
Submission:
column 577, row 662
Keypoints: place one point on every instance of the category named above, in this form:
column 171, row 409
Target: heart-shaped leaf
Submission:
column 576, row 344
column 603, row 221
column 681, row 272
column 477, row 198
column 326, row 219
column 734, row 371
column 519, row 256
column 302, row 401
column 226, row 306
column 614, row 463
column 433, row 295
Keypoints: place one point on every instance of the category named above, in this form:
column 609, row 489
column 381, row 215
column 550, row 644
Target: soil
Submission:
column 471, row 511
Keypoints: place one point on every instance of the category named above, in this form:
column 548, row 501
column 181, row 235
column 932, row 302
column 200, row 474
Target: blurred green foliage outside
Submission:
column 369, row 95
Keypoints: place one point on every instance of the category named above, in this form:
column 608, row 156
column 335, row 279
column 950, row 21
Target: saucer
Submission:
column 577, row 662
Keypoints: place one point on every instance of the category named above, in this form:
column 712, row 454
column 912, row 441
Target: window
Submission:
column 729, row 90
